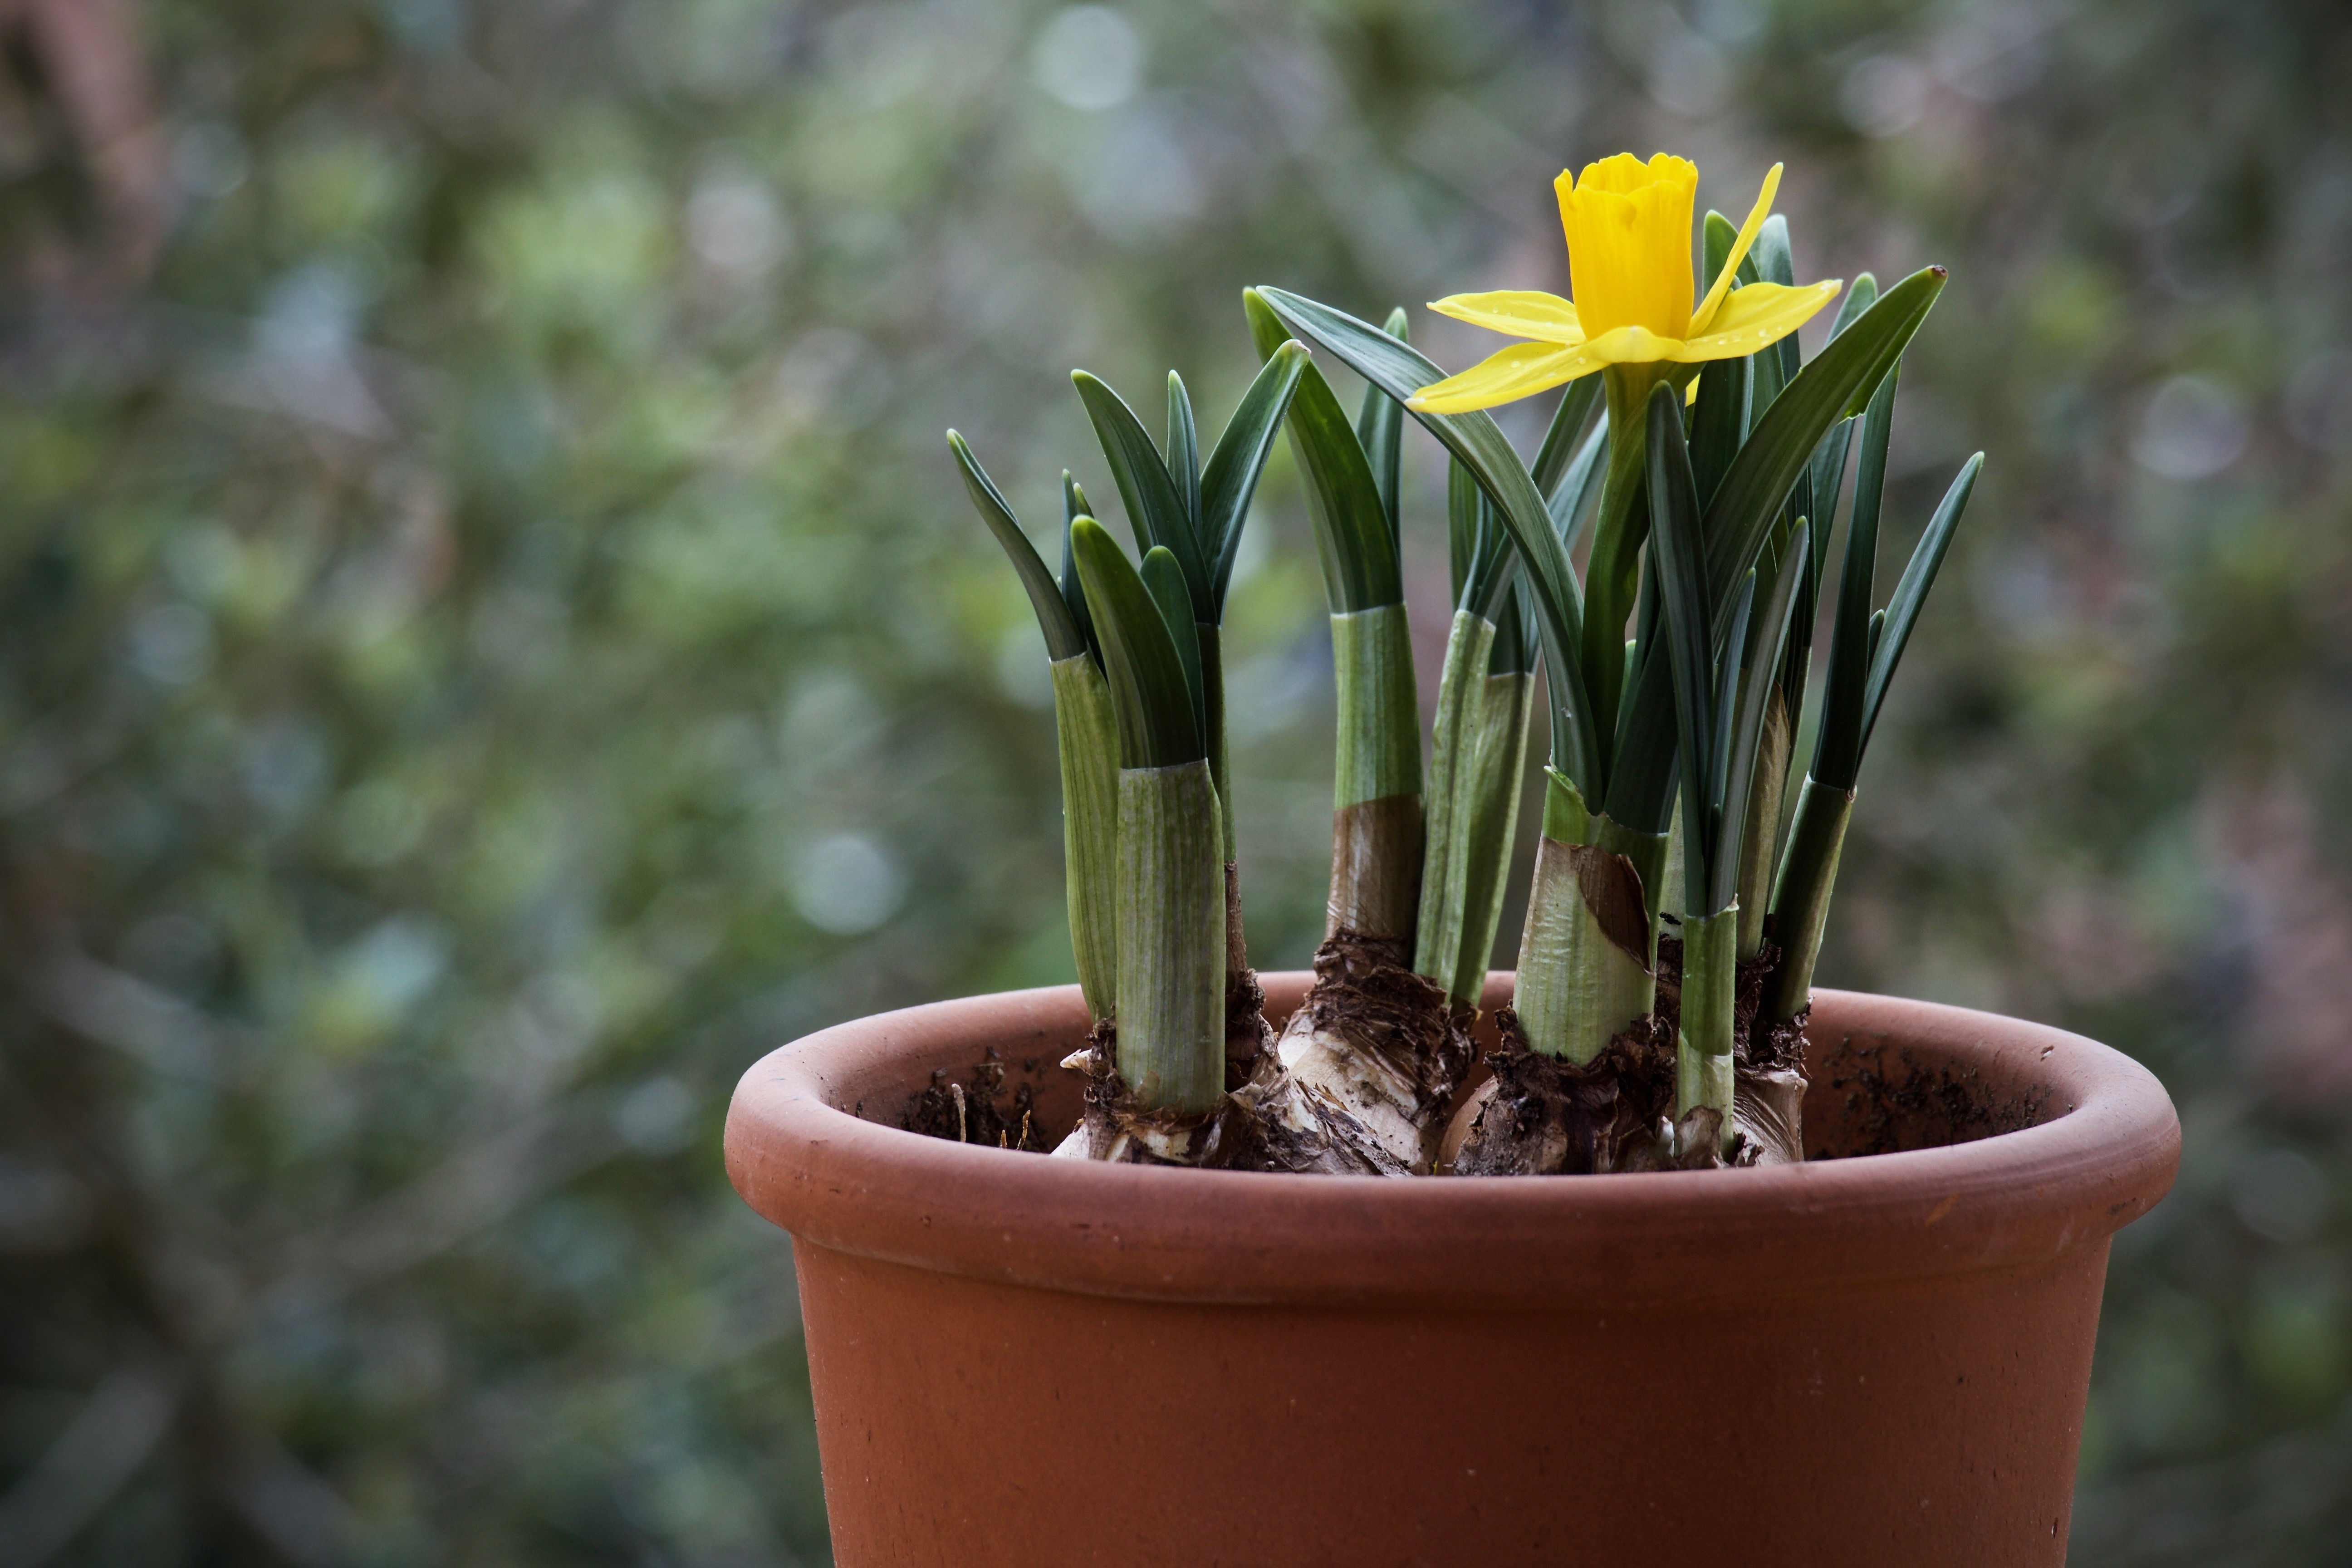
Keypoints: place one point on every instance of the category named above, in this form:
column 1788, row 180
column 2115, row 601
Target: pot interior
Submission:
column 1871, row 1093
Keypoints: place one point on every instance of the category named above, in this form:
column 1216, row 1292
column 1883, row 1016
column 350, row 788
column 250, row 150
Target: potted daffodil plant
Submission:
column 1646, row 1251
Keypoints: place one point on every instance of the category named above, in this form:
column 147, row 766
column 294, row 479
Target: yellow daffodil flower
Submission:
column 1629, row 256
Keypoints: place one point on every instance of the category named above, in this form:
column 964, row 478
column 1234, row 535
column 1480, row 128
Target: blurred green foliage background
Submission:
column 493, row 643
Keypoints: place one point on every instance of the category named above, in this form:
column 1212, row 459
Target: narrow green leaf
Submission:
column 1351, row 533
column 1828, row 485
column 1911, row 592
column 1063, row 638
column 1642, row 765
column 1726, row 704
column 1165, row 582
column 1184, row 450
column 1154, row 508
column 1475, row 539
column 1674, row 536
column 1514, row 615
column 1838, row 753
column 1156, row 724
column 1719, row 422
column 1461, row 528
column 1837, row 747
column 1764, row 365
column 1717, row 234
column 1774, row 620
column 1560, row 443
column 1576, row 496
column 1475, row 439
column 1860, row 296
column 1074, row 591
column 1783, row 441
column 1380, row 427
column 1239, row 459
column 1776, row 263
column 1085, row 729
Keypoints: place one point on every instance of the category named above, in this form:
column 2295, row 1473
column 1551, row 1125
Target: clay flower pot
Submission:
column 1031, row 1362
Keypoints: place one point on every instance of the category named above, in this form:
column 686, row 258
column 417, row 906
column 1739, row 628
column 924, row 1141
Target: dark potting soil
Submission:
column 1887, row 1102
column 1550, row 1117
column 1563, row 1119
column 981, row 1110
column 978, row 1110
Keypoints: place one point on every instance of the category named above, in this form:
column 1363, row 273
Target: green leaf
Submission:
column 1576, row 496
column 1783, row 442
column 1911, row 593
column 1184, row 451
column 1774, row 622
column 1860, row 296
column 1380, row 427
column 1239, row 459
column 1828, row 483
column 1514, row 615
column 1837, row 747
column 1063, row 638
column 1717, row 234
column 1719, row 422
column 1165, row 582
column 1726, row 711
column 1561, row 445
column 1074, row 591
column 1775, row 263
column 1826, row 479
column 1351, row 529
column 1462, row 496
column 1480, row 552
column 1154, row 508
column 1642, row 763
column 1764, row 365
column 1480, row 443
column 1156, row 724
column 1680, row 551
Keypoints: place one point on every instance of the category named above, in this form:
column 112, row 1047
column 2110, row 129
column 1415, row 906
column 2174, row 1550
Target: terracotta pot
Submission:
column 1024, row 1361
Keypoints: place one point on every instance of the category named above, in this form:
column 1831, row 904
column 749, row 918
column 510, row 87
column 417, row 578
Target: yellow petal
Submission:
column 1520, row 371
column 1702, row 320
column 1522, row 312
column 1758, row 314
column 1633, row 345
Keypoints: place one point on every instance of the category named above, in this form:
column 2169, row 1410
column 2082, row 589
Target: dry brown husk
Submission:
column 1265, row 1121
column 1379, row 1050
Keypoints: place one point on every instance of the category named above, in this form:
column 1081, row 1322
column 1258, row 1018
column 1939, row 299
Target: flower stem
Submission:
column 1619, row 527
column 1703, row 1073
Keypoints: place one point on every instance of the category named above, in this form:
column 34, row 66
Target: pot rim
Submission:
column 2106, row 1149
